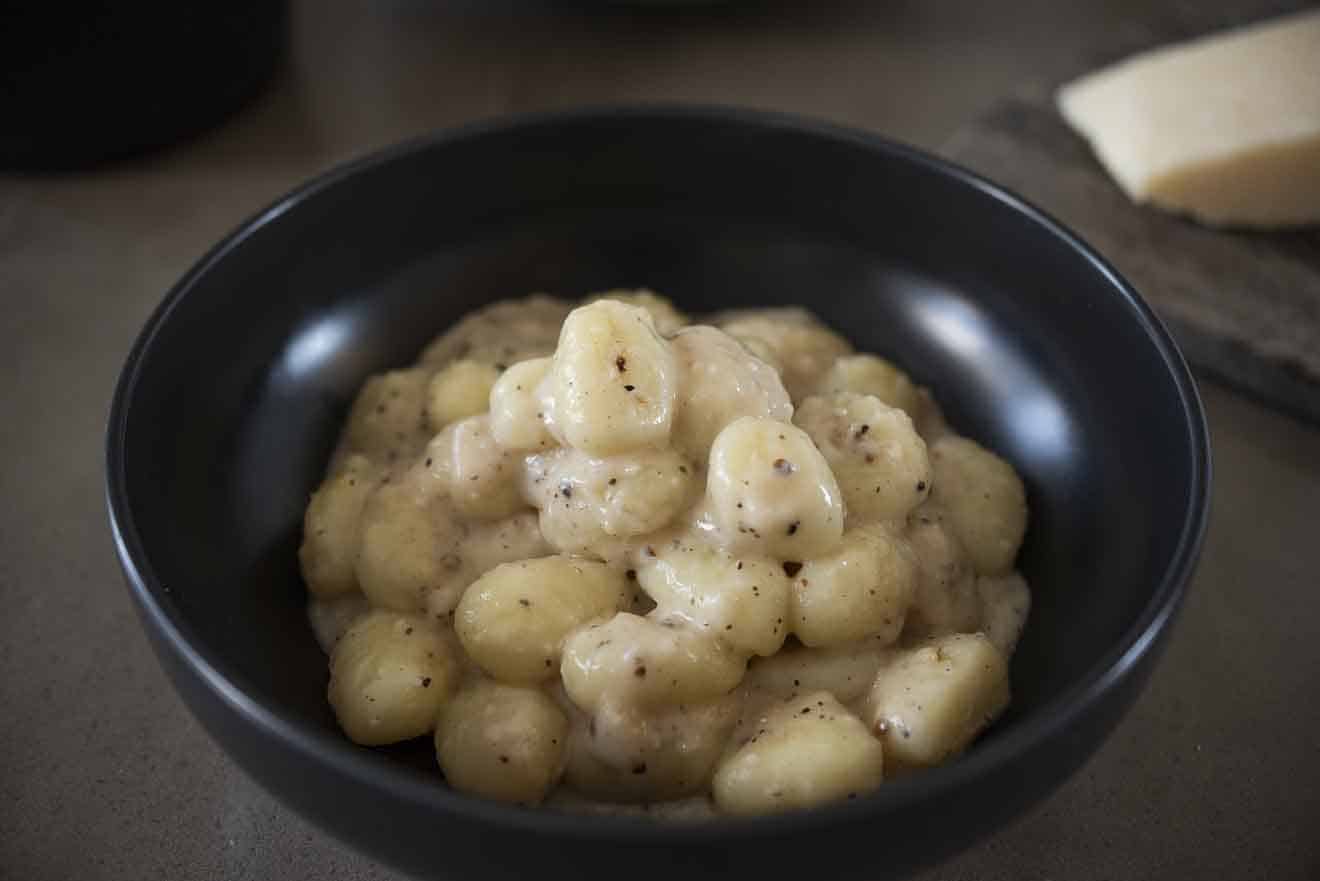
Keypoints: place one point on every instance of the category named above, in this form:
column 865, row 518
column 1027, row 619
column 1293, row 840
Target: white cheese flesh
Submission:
column 1225, row 128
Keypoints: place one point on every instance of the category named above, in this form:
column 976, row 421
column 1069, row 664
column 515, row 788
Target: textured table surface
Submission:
column 103, row 774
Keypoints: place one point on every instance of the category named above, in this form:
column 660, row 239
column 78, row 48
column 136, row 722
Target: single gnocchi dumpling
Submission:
column 389, row 676
column 946, row 599
column 1005, row 602
column 877, row 456
column 803, row 347
column 870, row 375
column 860, row 591
column 929, row 702
column 929, row 418
column 627, row 753
column 586, row 502
column 845, row 671
column 482, row 477
column 332, row 528
column 481, row 547
column 502, row 333
column 519, row 411
column 806, row 752
column 459, row 390
column 985, row 501
column 647, row 662
column 489, row 543
column 667, row 319
column 502, row 742
column 331, row 618
column 613, row 380
column 771, row 492
column 410, row 539
column 720, row 381
column 514, row 619
column 741, row 600
column 387, row 422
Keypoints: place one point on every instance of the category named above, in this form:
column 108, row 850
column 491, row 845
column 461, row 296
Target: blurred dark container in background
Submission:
column 82, row 83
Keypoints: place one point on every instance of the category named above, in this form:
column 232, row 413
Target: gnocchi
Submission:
column 804, row 753
column 586, row 502
column 409, row 544
column 518, row 408
column 481, row 476
column 929, row 702
column 502, row 742
column 985, row 501
column 861, row 591
column 612, row 379
column 870, row 375
column 647, row 662
column 945, row 599
column 801, row 346
column 771, row 491
column 388, row 422
column 721, row 383
column 514, row 619
column 742, row 600
column 459, row 390
column 874, row 451
column 625, row 753
column 332, row 529
column 605, row 556
column 389, row 676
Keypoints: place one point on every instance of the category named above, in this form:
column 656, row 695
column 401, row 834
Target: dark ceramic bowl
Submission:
column 229, row 403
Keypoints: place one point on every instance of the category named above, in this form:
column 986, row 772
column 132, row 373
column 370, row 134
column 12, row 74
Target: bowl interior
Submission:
column 237, row 392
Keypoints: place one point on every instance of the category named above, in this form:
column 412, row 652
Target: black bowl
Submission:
column 229, row 403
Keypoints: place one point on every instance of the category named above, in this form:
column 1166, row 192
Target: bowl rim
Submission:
column 375, row 771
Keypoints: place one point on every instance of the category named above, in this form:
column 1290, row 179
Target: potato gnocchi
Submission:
column 608, row 557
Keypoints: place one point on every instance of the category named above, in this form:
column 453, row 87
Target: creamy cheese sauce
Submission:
column 602, row 552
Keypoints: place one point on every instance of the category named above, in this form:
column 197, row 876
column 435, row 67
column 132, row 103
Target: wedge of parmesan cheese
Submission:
column 1225, row 128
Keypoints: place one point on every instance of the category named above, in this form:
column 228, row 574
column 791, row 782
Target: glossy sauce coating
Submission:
column 622, row 547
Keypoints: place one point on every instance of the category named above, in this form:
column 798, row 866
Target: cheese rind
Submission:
column 1225, row 128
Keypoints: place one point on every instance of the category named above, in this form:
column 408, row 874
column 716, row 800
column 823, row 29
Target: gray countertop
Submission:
column 103, row 774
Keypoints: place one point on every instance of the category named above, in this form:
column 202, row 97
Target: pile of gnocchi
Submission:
column 610, row 559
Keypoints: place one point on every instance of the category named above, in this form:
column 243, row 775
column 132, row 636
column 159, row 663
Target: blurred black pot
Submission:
column 81, row 83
